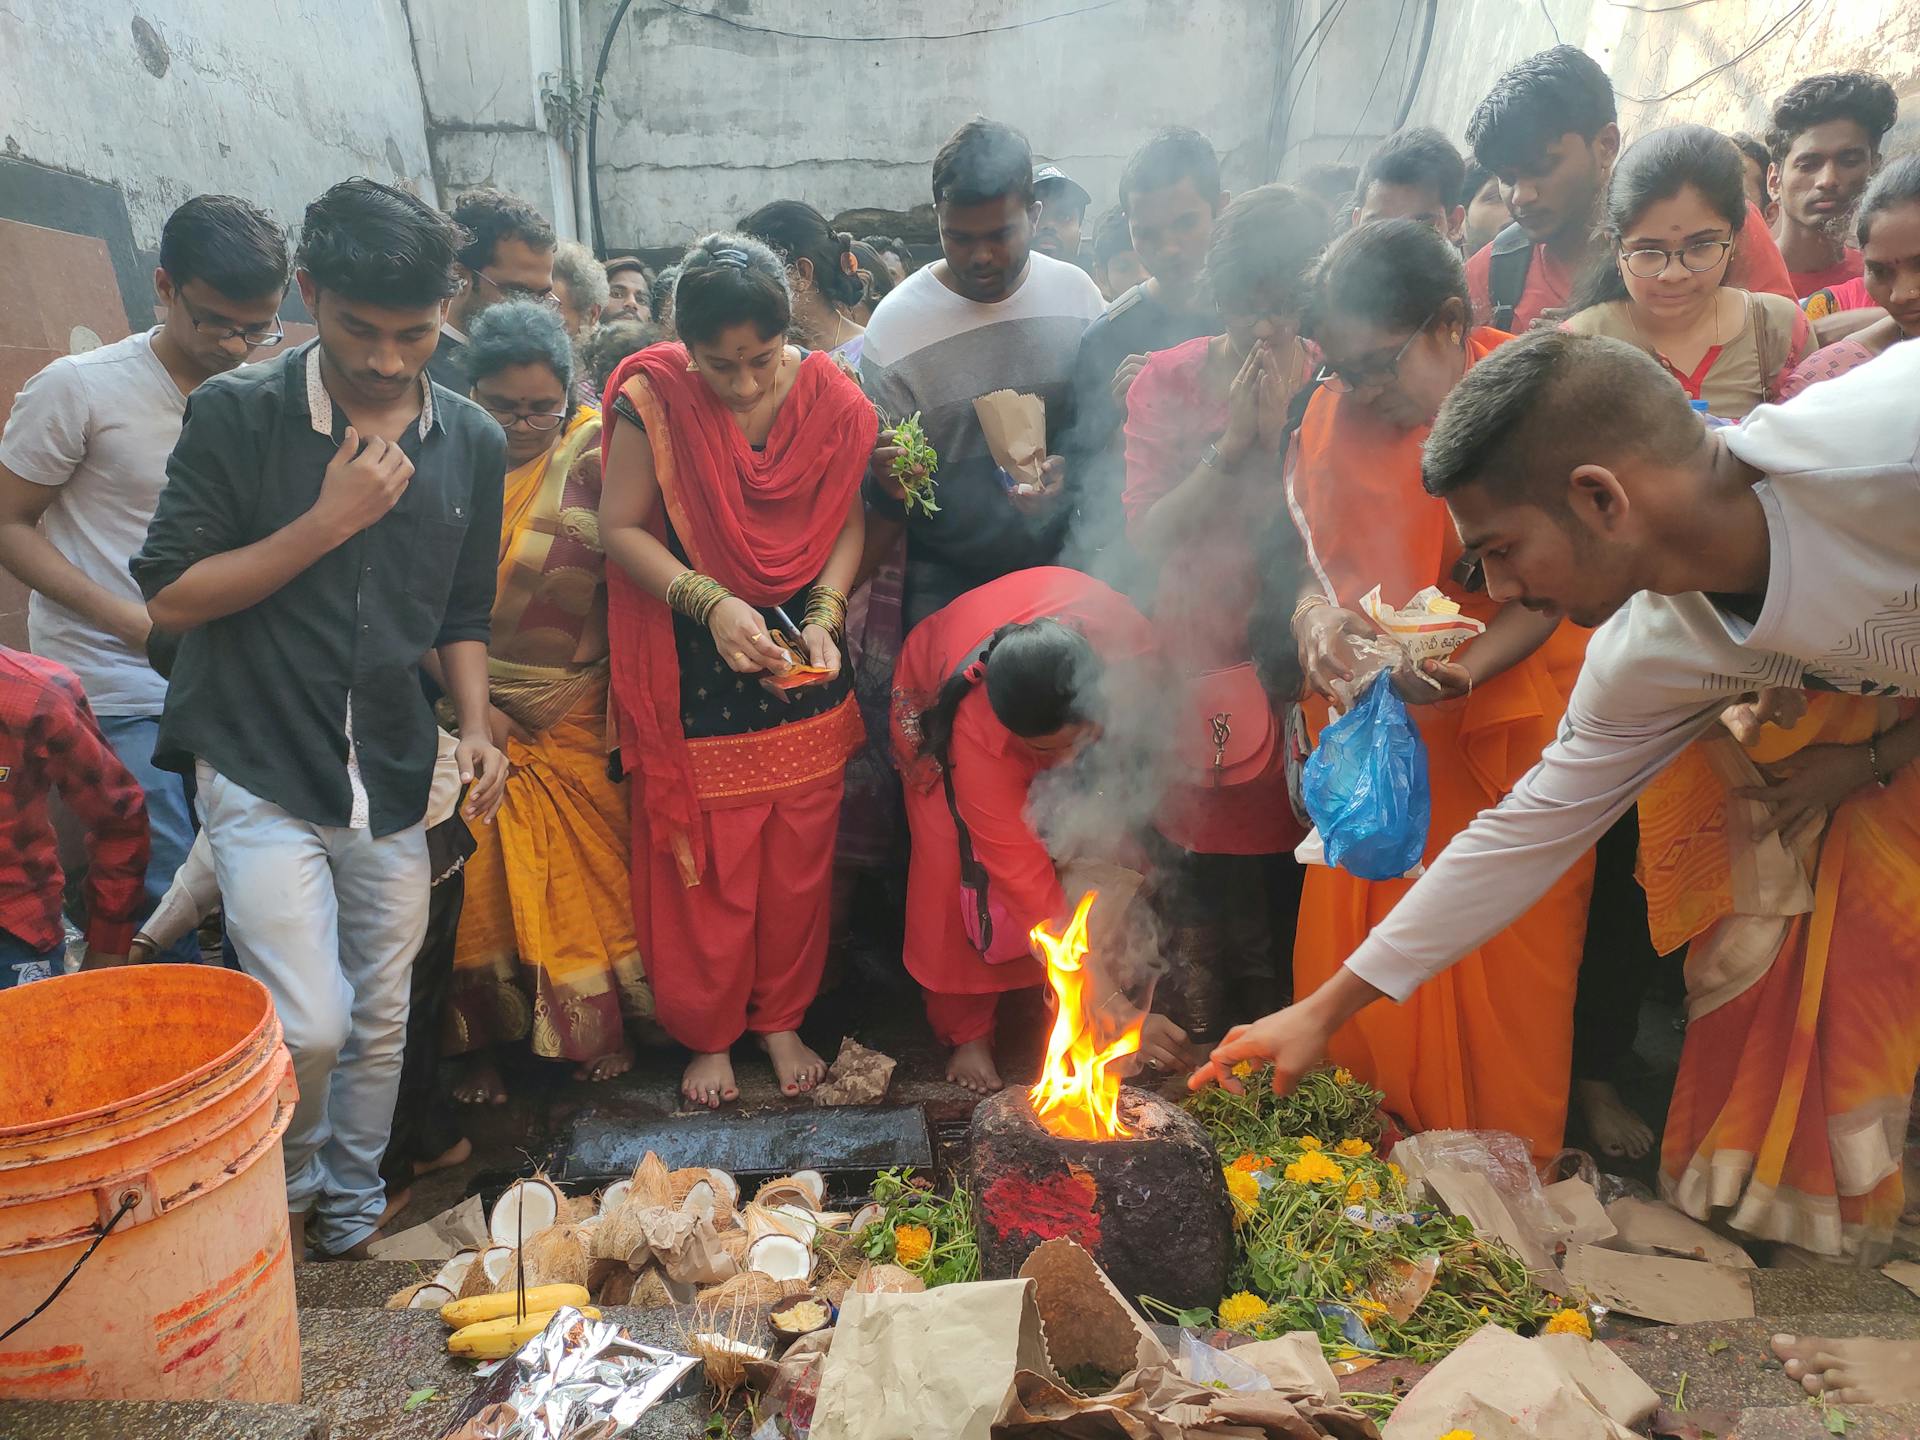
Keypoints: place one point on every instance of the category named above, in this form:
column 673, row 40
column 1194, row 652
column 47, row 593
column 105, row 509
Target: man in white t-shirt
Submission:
column 1783, row 554
column 991, row 314
column 83, row 460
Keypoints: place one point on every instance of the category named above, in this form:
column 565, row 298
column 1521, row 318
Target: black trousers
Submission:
column 1228, row 923
column 1617, row 965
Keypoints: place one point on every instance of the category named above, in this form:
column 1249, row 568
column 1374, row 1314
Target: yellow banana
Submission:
column 497, row 1339
column 475, row 1308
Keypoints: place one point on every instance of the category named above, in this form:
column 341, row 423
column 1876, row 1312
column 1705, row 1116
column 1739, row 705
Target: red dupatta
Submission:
column 762, row 523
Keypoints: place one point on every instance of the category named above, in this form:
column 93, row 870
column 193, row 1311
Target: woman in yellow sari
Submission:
column 546, row 947
column 1790, row 867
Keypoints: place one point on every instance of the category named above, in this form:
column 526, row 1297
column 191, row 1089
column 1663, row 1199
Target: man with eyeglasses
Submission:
column 509, row 257
column 82, row 464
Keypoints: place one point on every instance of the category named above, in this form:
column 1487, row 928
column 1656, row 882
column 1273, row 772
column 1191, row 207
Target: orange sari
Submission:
column 1487, row 1044
column 546, row 947
column 1789, row 1114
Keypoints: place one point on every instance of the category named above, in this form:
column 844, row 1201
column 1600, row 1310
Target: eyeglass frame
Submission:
column 526, row 419
column 1667, row 257
column 217, row 333
column 1339, row 383
column 549, row 297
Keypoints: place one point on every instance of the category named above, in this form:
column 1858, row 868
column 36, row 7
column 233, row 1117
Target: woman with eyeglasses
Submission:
column 1205, row 422
column 546, row 949
column 1490, row 1046
column 1675, row 207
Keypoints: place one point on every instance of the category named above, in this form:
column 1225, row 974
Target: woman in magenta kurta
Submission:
column 989, row 692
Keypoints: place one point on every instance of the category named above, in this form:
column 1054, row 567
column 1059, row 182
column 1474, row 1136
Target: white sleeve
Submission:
column 1492, row 871
column 46, row 434
column 188, row 901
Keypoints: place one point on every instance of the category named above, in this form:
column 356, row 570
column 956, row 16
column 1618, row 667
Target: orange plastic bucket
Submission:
column 164, row 1089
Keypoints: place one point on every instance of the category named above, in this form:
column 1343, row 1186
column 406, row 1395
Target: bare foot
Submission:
column 795, row 1065
column 396, row 1202
column 480, row 1082
column 1854, row 1372
column 458, row 1153
column 972, row 1067
column 615, row 1062
column 708, row 1080
column 1615, row 1128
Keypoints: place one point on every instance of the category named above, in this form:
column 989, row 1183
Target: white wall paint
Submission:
column 702, row 122
column 273, row 100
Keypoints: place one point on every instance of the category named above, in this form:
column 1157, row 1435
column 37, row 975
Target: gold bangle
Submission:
column 827, row 608
column 695, row 595
column 1308, row 602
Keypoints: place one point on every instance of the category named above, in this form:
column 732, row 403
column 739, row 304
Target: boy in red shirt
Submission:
column 1825, row 142
column 49, row 741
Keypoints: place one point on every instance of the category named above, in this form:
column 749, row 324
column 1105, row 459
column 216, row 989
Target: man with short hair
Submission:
column 1116, row 264
column 1777, row 554
column 1171, row 192
column 989, row 315
column 1063, row 213
column 1413, row 174
column 1549, row 130
column 628, row 281
column 1486, row 209
column 508, row 256
column 330, row 517
column 580, row 285
column 82, row 464
column 894, row 253
column 1331, row 182
column 1825, row 145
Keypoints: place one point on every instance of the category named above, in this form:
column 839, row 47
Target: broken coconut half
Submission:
column 803, row 1187
column 869, row 1214
column 780, row 1257
column 613, row 1196
column 524, row 1209
column 454, row 1273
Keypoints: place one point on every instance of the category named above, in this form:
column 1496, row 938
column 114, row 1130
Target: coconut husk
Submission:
column 835, row 1285
column 478, row 1282
column 786, row 1191
column 652, row 1182
column 887, row 1280
column 401, row 1299
column 558, row 1256
column 604, row 1276
column 736, row 1243
column 650, row 1290
column 749, row 1288
column 580, row 1207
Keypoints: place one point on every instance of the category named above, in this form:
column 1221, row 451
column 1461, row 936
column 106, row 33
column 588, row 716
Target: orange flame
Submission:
column 1077, row 1097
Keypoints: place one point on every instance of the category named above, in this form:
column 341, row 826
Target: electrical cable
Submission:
column 1724, row 65
column 1419, row 64
column 1552, row 24
column 1658, row 9
column 1332, row 14
column 127, row 1202
column 1386, row 59
column 886, row 39
column 593, row 127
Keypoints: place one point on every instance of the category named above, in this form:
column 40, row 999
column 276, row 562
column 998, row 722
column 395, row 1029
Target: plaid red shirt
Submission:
column 49, row 741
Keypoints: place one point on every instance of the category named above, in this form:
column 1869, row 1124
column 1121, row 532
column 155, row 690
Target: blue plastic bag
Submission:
column 1365, row 787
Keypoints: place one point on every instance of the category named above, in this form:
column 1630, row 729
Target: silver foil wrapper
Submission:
column 579, row 1379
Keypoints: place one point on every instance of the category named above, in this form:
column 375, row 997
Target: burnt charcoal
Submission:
column 1152, row 1209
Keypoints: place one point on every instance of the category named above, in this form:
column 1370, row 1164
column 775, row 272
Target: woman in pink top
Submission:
column 1205, row 423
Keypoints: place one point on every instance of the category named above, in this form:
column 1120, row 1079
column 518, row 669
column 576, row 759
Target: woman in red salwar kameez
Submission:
column 731, row 487
column 990, row 692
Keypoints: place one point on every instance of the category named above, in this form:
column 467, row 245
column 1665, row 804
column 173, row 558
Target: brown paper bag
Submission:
column 1083, row 1319
column 1016, row 429
column 1498, row 1384
column 934, row 1366
column 1657, row 1287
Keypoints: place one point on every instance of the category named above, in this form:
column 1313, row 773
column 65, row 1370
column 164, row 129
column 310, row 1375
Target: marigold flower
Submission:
column 1314, row 1168
column 1457, row 1435
column 1243, row 1070
column 1343, row 1076
column 1245, row 1191
column 1399, row 1175
column 1355, row 1148
column 911, row 1244
column 1244, row 1308
column 1251, row 1162
column 1308, row 1142
column 1570, row 1322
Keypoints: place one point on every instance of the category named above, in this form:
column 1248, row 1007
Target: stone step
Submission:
column 129, row 1420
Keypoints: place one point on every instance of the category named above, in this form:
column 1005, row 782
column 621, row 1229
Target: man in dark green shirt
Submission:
column 331, row 517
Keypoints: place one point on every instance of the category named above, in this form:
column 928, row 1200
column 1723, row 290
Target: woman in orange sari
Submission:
column 545, row 948
column 732, row 502
column 1790, row 867
column 1489, row 1044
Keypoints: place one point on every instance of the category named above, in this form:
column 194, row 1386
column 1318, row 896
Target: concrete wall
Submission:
column 270, row 99
column 1662, row 63
column 702, row 121
column 482, row 71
